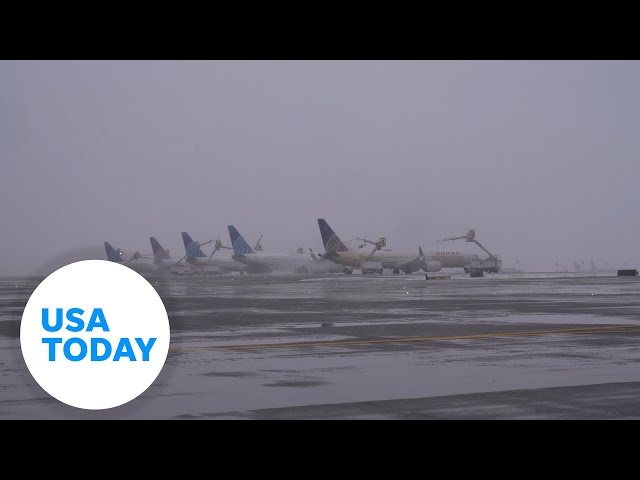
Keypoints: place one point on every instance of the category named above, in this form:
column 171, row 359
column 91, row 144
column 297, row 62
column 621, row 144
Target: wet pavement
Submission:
column 543, row 346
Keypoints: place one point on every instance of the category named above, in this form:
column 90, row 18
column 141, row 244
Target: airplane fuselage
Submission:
column 273, row 262
column 389, row 259
column 222, row 263
column 451, row 259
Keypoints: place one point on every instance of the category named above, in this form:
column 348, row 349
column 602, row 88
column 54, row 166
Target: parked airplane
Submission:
column 199, row 262
column 161, row 258
column 376, row 260
column 259, row 262
column 137, row 262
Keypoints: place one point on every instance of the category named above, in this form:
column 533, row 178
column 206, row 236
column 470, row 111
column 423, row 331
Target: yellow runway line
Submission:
column 601, row 329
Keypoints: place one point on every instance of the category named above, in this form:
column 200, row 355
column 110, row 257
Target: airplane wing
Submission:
column 415, row 264
column 253, row 264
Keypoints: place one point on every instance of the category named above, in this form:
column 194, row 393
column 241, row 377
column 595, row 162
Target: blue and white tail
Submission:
column 159, row 253
column 112, row 255
column 240, row 246
column 330, row 240
column 191, row 248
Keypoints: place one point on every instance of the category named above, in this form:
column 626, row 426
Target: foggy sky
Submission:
column 540, row 157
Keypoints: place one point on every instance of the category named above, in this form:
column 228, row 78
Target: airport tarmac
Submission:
column 519, row 346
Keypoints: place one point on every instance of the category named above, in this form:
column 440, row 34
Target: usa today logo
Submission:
column 95, row 334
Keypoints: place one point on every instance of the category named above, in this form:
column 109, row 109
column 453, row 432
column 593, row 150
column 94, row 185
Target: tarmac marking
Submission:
column 602, row 329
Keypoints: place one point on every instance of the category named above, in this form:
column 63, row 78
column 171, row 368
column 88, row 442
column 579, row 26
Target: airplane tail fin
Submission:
column 191, row 248
column 330, row 240
column 240, row 246
column 112, row 255
column 158, row 252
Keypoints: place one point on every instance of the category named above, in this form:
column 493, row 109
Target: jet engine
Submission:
column 431, row 266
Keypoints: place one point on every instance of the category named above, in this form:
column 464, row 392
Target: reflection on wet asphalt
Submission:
column 372, row 347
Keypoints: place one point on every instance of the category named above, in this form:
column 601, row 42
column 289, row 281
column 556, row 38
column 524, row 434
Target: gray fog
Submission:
column 539, row 157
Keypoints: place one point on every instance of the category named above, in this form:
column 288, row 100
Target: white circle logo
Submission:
column 95, row 334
